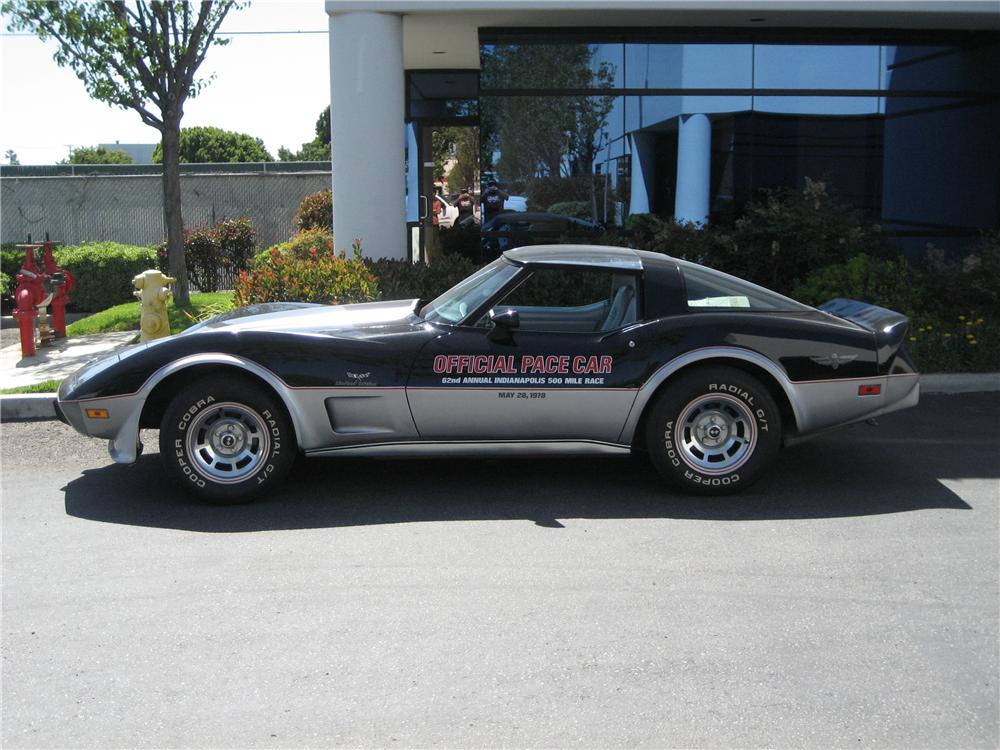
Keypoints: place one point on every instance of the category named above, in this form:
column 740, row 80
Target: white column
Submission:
column 694, row 168
column 643, row 147
column 367, row 101
column 412, row 174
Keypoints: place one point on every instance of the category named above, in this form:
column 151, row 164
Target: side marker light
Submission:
column 869, row 390
column 97, row 413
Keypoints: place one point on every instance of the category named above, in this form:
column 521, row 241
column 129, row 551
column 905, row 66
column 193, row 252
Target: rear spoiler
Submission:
column 888, row 326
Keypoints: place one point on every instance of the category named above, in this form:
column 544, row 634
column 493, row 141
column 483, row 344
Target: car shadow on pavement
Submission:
column 852, row 472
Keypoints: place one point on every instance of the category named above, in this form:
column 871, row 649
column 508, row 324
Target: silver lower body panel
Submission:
column 480, row 449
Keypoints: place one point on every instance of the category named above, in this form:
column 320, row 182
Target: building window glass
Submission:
column 903, row 130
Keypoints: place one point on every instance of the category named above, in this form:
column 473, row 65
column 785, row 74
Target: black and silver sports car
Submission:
column 547, row 349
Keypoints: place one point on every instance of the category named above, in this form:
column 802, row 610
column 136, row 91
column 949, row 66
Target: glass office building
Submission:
column 602, row 113
column 902, row 127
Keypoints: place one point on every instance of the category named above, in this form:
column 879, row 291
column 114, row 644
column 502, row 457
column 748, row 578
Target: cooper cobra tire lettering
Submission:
column 186, row 417
column 226, row 441
column 713, row 430
column 668, row 445
column 712, row 481
column 184, row 465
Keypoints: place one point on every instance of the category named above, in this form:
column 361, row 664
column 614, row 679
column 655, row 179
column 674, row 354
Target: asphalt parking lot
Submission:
column 850, row 599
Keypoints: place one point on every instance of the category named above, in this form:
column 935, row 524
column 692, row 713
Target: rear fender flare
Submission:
column 648, row 390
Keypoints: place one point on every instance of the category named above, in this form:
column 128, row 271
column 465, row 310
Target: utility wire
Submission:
column 220, row 33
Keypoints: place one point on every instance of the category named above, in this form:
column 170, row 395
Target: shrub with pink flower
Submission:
column 307, row 270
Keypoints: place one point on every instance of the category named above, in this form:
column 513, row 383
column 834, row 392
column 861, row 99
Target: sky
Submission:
column 271, row 82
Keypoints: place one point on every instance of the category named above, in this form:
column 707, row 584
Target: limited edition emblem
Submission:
column 834, row 360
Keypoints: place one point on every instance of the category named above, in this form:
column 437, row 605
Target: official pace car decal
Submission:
column 526, row 369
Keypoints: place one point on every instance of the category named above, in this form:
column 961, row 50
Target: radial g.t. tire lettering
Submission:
column 226, row 441
column 713, row 431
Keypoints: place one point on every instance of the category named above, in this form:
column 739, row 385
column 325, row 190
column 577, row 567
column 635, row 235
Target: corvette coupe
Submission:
column 549, row 349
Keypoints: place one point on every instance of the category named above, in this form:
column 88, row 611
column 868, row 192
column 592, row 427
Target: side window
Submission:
column 713, row 290
column 573, row 300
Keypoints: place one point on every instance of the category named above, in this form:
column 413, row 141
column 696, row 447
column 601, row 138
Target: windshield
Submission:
column 454, row 305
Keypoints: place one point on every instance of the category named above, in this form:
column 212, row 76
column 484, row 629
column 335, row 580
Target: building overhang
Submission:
column 444, row 34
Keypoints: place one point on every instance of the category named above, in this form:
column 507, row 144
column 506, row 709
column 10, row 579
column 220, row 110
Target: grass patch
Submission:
column 125, row 317
column 49, row 386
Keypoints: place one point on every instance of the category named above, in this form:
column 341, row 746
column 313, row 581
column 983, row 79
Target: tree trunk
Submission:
column 172, row 219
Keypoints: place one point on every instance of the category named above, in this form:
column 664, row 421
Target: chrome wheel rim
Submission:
column 717, row 434
column 228, row 443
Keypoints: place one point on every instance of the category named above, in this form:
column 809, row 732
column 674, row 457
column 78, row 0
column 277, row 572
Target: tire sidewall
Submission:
column 662, row 429
column 203, row 395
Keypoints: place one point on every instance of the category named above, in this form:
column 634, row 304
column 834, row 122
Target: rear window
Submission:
column 713, row 290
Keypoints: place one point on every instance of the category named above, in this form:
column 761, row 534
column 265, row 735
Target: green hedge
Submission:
column 887, row 282
column 104, row 272
column 401, row 279
column 307, row 243
column 578, row 209
column 316, row 212
column 10, row 263
column 212, row 250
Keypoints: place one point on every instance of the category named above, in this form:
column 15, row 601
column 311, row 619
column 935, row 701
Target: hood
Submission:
column 298, row 317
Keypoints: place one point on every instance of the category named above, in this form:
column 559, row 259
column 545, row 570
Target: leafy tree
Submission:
column 442, row 149
column 544, row 136
column 311, row 151
column 98, row 155
column 323, row 127
column 141, row 55
column 202, row 145
column 318, row 149
column 461, row 144
column 11, row 157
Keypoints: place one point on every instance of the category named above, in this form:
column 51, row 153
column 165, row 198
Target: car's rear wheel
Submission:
column 226, row 441
column 713, row 431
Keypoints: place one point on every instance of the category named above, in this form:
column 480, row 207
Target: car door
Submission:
column 565, row 372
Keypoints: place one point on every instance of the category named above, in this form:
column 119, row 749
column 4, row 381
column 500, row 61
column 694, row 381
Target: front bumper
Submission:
column 59, row 412
column 120, row 427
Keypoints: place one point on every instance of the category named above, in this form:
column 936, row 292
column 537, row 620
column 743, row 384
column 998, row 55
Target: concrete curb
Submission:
column 39, row 405
column 8, row 321
column 27, row 406
column 960, row 382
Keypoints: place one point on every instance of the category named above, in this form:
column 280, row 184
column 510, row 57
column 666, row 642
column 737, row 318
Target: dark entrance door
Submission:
column 436, row 100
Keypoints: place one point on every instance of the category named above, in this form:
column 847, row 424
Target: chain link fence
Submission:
column 124, row 203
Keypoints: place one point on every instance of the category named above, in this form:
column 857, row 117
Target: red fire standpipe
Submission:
column 30, row 293
column 64, row 283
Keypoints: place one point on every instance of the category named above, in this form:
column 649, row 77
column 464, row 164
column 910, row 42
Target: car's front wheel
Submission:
column 713, row 431
column 226, row 441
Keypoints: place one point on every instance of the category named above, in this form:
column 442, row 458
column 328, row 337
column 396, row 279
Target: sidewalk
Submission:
column 55, row 362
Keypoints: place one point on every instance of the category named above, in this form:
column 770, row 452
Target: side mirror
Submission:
column 504, row 322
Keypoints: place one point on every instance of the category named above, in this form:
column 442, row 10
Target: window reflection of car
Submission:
column 449, row 212
column 518, row 229
column 515, row 203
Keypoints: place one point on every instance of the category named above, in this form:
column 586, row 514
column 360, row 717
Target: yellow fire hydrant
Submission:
column 152, row 291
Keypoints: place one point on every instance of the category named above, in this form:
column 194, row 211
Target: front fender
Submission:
column 121, row 425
